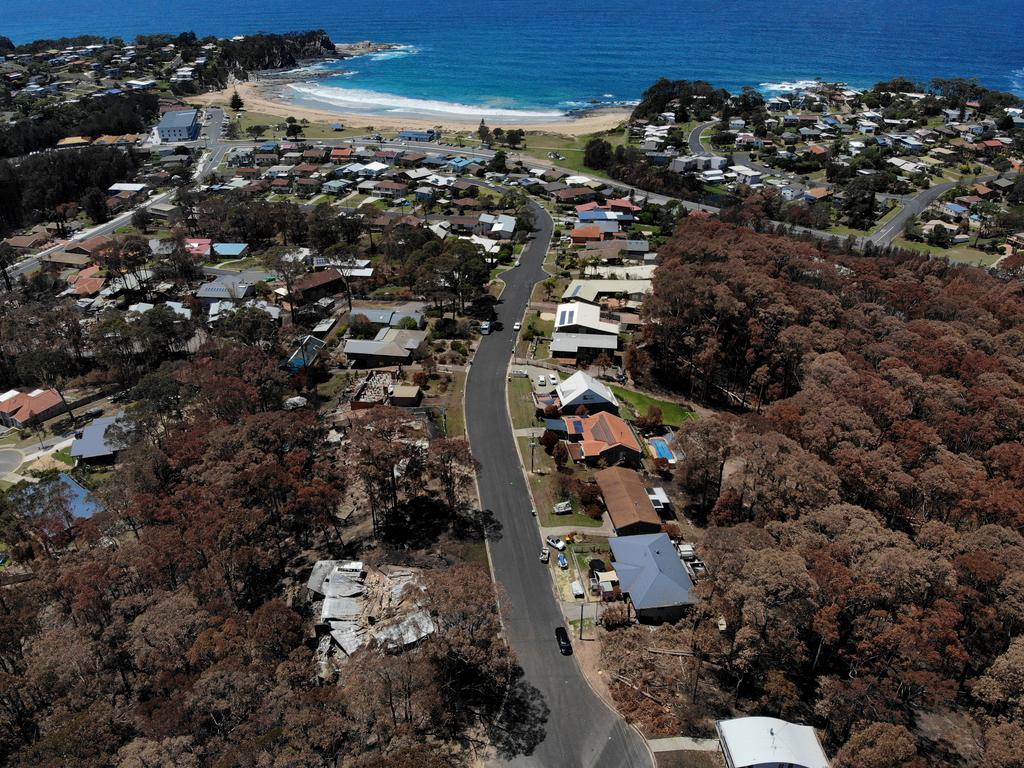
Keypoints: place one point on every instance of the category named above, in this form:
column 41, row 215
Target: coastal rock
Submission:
column 363, row 47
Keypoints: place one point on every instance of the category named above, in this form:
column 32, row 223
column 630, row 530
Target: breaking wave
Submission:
column 374, row 102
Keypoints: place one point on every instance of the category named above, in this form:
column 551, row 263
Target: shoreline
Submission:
column 260, row 97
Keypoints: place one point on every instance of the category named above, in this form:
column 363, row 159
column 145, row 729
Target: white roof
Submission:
column 584, row 315
column 751, row 741
column 582, row 388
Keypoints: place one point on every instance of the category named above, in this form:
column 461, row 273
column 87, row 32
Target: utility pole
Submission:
column 581, row 620
column 533, row 444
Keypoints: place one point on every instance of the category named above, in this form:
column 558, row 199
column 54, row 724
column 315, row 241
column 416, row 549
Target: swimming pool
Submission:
column 662, row 450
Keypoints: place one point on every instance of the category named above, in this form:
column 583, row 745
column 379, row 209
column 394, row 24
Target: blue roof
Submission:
column 650, row 571
column 956, row 208
column 230, row 249
column 555, row 425
column 270, row 146
column 80, row 503
column 183, row 118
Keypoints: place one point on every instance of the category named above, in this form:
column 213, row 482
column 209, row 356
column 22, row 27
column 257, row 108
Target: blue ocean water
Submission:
column 542, row 56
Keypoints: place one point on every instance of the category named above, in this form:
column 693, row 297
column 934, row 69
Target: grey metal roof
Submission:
column 571, row 342
column 94, row 442
column 179, row 119
column 650, row 571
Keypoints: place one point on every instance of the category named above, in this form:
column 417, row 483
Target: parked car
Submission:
column 555, row 542
column 545, row 555
column 563, row 561
column 552, row 380
column 541, row 380
column 563, row 641
column 516, row 326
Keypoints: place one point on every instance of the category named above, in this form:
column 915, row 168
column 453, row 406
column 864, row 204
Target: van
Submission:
column 485, row 327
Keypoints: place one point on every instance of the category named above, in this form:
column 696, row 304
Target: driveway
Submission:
column 581, row 731
column 10, row 460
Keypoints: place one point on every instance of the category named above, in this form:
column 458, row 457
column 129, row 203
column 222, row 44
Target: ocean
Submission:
column 536, row 59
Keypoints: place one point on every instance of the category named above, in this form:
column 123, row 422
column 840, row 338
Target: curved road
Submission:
column 582, row 732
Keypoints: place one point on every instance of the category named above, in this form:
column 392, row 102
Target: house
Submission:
column 88, row 282
column 229, row 250
column 180, row 125
column 745, row 175
column 583, row 390
column 767, row 742
column 601, row 437
column 590, row 233
column 224, row 288
column 98, row 444
column 593, row 291
column 652, row 576
column 164, row 211
column 583, row 347
column 817, row 194
column 391, row 346
column 626, row 501
column 316, row 285
column 391, row 189
column 498, row 226
column 19, row 409
column 1016, row 242
column 390, row 316
column 428, row 135
column 308, row 187
column 578, row 317
column 89, row 246
column 568, row 195
column 29, row 241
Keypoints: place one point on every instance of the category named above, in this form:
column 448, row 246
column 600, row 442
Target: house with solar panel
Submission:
column 581, row 335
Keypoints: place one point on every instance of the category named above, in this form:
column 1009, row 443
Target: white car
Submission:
column 516, row 326
column 556, row 542
column 541, row 380
column 552, row 380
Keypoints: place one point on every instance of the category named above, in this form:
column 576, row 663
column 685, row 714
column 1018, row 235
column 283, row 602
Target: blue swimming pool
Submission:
column 662, row 449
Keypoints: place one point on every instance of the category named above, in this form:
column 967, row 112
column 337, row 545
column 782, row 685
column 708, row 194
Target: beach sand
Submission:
column 258, row 99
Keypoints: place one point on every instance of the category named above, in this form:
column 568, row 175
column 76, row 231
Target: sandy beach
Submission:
column 261, row 98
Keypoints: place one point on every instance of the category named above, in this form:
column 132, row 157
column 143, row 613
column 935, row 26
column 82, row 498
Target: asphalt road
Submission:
column 696, row 148
column 581, row 731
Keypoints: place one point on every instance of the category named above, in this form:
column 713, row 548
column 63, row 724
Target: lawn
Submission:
column 451, row 401
column 65, row 457
column 317, row 130
column 520, row 403
column 542, row 487
column 960, row 254
column 537, row 145
column 672, row 414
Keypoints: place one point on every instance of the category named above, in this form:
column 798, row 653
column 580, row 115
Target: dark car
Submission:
column 563, row 641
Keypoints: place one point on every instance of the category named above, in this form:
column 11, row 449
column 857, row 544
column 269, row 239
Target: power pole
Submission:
column 533, row 444
column 581, row 620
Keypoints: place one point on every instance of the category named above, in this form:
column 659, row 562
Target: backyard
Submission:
column 636, row 404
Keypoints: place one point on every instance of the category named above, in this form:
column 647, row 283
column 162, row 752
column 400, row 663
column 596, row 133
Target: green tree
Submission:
column 94, row 203
column 236, row 102
column 484, row 132
column 597, row 154
column 142, row 218
column 8, row 258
